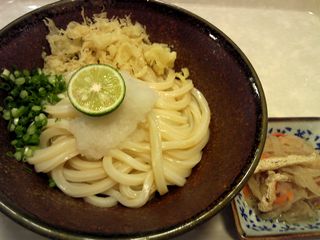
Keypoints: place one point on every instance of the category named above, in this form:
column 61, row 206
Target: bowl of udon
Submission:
column 170, row 155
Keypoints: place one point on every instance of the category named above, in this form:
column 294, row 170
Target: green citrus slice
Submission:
column 96, row 89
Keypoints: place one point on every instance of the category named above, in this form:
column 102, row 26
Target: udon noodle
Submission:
column 162, row 149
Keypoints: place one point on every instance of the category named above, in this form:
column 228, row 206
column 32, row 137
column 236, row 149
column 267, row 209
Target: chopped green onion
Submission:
column 12, row 127
column 20, row 81
column 36, row 108
column 17, row 73
column 34, row 139
column 39, row 71
column 23, row 108
column 9, row 154
column 5, row 86
column 52, row 79
column 6, row 115
column 6, row 72
column 26, row 138
column 32, row 129
column 15, row 112
column 18, row 155
column 12, row 77
column 15, row 121
column 28, row 169
column 52, row 183
column 26, row 72
column 19, row 130
column 42, row 91
column 28, row 152
column 24, row 94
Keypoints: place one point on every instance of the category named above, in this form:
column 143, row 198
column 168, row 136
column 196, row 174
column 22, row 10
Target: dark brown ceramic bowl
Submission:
column 238, row 127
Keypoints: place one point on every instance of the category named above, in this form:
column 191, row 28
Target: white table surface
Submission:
column 281, row 39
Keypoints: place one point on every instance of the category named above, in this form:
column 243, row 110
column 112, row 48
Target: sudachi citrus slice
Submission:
column 96, row 89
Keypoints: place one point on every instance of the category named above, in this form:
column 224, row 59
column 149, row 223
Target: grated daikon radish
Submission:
column 95, row 136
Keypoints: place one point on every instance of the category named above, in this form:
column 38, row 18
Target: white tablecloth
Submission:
column 281, row 39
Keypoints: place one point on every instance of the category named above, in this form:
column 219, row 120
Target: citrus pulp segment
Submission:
column 96, row 89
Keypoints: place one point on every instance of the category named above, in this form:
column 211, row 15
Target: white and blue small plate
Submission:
column 251, row 226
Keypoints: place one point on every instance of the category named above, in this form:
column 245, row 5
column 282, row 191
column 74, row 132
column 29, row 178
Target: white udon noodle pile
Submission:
column 161, row 150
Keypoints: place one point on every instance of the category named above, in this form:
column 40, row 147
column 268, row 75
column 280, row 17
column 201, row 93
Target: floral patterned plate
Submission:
column 249, row 225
